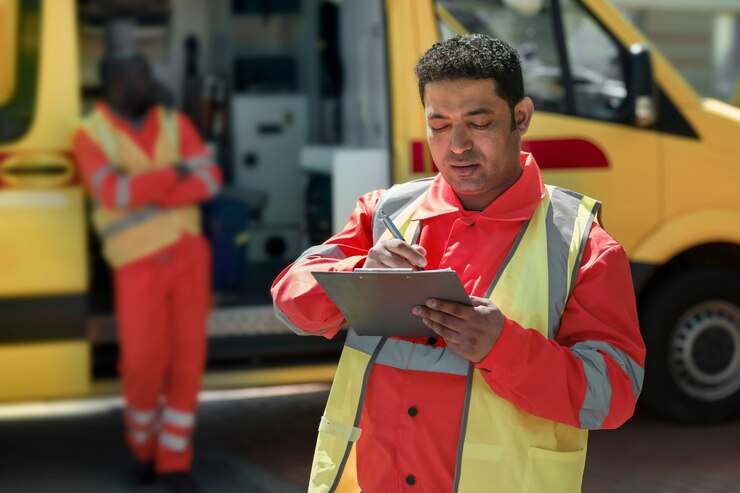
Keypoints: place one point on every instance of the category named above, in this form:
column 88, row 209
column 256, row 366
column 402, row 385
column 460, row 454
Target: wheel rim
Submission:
column 704, row 351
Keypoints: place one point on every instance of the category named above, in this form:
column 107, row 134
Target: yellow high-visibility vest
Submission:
column 501, row 448
column 129, row 234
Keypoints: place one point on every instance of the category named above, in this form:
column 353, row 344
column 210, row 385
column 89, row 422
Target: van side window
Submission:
column 596, row 65
column 19, row 59
column 540, row 35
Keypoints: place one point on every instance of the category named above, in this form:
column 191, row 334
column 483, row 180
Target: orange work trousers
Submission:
column 162, row 304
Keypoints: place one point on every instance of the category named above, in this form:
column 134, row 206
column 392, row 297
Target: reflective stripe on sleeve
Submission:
column 596, row 403
column 326, row 251
column 123, row 192
column 195, row 162
column 173, row 442
column 99, row 177
column 178, row 418
column 210, row 183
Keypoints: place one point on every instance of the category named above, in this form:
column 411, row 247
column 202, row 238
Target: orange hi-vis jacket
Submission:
column 141, row 205
column 515, row 421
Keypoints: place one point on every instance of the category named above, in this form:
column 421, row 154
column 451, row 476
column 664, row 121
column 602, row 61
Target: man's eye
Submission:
column 481, row 126
column 439, row 129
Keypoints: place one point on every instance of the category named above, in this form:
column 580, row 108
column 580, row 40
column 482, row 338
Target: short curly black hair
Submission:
column 473, row 56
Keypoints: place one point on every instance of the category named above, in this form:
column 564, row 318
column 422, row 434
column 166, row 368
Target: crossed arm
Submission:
column 194, row 180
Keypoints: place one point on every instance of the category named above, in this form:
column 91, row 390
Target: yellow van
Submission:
column 316, row 85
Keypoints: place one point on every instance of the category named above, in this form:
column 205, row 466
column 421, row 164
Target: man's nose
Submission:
column 460, row 141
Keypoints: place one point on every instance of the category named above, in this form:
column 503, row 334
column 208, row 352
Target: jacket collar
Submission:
column 517, row 203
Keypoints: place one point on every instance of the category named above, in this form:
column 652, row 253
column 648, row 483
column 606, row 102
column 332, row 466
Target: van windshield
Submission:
column 19, row 58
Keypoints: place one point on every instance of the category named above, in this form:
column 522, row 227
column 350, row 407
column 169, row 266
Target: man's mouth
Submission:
column 463, row 168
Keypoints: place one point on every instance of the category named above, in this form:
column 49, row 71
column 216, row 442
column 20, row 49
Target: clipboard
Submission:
column 378, row 302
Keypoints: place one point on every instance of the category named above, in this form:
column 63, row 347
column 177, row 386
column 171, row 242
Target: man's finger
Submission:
column 412, row 253
column 442, row 318
column 454, row 308
column 444, row 332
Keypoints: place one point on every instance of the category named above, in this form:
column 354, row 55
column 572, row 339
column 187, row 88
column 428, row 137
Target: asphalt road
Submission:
column 261, row 440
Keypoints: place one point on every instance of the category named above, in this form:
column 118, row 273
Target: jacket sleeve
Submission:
column 204, row 179
column 112, row 188
column 591, row 374
column 298, row 299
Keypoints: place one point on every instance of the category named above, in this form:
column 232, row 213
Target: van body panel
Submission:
column 43, row 242
column 669, row 239
column 631, row 167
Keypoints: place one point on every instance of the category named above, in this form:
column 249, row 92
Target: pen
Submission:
column 393, row 229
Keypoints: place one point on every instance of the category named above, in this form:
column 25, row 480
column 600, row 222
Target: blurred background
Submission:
column 307, row 104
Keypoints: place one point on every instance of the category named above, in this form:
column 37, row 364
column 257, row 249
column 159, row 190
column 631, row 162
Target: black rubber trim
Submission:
column 43, row 318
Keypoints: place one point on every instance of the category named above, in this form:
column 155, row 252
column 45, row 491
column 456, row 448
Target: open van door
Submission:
column 43, row 241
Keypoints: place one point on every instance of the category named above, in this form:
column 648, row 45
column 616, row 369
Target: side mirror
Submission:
column 642, row 86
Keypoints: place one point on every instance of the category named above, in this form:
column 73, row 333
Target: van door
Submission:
column 576, row 72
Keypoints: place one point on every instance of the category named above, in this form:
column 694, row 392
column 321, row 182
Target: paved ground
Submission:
column 258, row 441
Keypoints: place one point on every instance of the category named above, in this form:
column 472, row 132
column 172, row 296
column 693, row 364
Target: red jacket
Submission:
column 474, row 244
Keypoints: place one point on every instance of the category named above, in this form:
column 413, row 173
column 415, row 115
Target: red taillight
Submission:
column 421, row 158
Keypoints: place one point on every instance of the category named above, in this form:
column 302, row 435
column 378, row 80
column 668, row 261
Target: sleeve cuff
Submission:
column 504, row 355
column 349, row 264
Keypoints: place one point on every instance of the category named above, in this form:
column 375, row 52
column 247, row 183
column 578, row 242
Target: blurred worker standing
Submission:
column 146, row 169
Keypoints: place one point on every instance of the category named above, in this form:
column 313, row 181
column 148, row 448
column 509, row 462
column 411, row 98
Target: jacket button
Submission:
column 410, row 479
column 413, row 411
column 432, row 341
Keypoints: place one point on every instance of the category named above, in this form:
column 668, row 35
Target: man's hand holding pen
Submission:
column 395, row 253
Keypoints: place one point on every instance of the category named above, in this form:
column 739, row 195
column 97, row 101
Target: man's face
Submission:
column 137, row 87
column 469, row 129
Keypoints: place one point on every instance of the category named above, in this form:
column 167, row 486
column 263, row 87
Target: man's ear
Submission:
column 523, row 115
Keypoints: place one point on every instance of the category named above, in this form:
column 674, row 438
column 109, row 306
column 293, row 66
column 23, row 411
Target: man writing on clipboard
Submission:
column 502, row 399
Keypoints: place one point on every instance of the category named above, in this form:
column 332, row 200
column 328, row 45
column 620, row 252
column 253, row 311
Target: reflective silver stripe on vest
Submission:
column 173, row 442
column 130, row 221
column 325, row 251
column 379, row 344
column 596, row 403
column 586, row 232
column 99, row 176
column 123, row 192
column 562, row 214
column 395, row 199
column 178, row 418
column 463, row 428
column 406, row 355
column 142, row 418
column 208, row 180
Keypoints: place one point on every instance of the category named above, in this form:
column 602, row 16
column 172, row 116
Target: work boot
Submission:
column 143, row 473
column 179, row 482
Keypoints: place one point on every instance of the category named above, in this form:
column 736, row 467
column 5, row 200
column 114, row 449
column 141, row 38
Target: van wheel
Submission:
column 691, row 326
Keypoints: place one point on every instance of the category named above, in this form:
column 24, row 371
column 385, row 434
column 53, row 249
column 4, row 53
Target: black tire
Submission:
column 691, row 326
